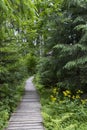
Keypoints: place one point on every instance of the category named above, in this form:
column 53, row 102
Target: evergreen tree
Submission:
column 67, row 47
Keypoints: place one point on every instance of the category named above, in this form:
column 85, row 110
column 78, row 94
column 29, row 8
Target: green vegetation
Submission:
column 16, row 22
column 63, row 65
column 63, row 111
column 64, row 61
column 9, row 99
column 49, row 39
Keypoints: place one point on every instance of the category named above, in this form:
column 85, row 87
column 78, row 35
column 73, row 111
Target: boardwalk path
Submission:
column 28, row 115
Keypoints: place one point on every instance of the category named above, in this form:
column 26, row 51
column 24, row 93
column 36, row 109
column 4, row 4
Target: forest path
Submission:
column 28, row 114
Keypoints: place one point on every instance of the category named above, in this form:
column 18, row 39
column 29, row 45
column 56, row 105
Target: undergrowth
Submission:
column 62, row 112
column 8, row 102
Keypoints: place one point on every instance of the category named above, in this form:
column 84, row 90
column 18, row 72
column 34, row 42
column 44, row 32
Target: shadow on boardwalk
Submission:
column 28, row 114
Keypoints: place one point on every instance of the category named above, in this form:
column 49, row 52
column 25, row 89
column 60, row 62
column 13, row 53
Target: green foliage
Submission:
column 3, row 118
column 10, row 98
column 46, row 71
column 63, row 114
column 51, row 35
column 31, row 63
column 65, row 45
column 16, row 23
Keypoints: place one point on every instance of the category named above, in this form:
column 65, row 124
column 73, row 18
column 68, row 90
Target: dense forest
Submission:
column 47, row 39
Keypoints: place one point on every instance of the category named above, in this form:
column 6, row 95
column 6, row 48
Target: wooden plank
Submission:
column 15, row 127
column 28, row 110
column 26, row 114
column 30, row 104
column 29, row 120
column 24, row 124
column 26, row 128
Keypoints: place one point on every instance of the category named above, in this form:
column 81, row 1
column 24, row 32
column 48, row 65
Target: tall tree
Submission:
column 66, row 43
column 16, row 35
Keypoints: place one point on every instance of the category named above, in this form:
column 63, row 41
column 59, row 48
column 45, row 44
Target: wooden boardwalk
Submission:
column 28, row 114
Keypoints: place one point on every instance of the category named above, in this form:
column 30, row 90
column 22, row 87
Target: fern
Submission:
column 76, row 63
column 78, row 19
column 76, row 3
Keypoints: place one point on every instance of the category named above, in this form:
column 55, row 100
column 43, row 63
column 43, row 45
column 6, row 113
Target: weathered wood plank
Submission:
column 15, row 127
column 28, row 110
column 25, row 128
column 24, row 124
column 26, row 113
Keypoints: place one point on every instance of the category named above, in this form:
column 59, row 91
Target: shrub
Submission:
column 31, row 62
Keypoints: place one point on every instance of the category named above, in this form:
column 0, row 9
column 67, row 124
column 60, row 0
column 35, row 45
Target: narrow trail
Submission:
column 28, row 114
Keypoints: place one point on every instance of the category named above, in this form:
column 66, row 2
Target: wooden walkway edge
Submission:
column 28, row 114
